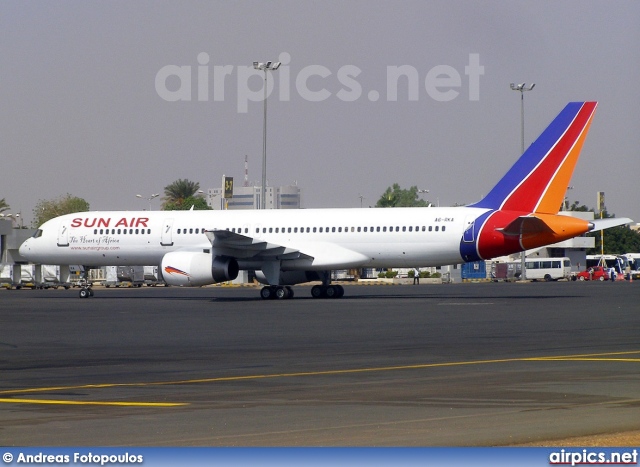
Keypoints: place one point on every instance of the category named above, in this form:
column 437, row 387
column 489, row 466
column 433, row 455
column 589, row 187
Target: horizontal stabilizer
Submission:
column 601, row 224
column 526, row 225
column 536, row 224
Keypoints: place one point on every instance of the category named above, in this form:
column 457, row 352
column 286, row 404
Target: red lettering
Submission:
column 142, row 222
column 122, row 223
column 93, row 222
column 77, row 222
column 104, row 222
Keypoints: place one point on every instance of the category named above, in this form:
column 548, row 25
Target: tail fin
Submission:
column 538, row 181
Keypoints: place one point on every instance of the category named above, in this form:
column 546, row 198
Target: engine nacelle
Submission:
column 194, row 269
column 291, row 277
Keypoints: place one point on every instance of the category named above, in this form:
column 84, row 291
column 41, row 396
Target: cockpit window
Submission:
column 38, row 233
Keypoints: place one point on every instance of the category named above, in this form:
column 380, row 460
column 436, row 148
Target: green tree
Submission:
column 48, row 209
column 3, row 205
column 198, row 203
column 396, row 197
column 177, row 192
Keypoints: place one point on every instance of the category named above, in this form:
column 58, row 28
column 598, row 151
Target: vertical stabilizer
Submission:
column 538, row 181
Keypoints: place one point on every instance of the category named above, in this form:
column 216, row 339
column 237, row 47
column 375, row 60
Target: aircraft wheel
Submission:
column 90, row 292
column 340, row 290
column 84, row 293
column 290, row 290
column 266, row 293
column 316, row 291
column 282, row 293
column 331, row 292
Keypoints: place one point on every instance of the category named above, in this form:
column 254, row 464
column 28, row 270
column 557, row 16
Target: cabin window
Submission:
column 437, row 228
column 444, row 227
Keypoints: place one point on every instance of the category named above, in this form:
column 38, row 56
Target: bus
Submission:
column 548, row 269
column 633, row 263
column 619, row 263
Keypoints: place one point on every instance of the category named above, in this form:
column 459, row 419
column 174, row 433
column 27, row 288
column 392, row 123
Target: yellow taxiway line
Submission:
column 604, row 357
column 116, row 404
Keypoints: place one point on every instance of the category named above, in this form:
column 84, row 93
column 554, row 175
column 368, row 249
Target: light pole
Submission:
column 269, row 66
column 522, row 88
column 155, row 195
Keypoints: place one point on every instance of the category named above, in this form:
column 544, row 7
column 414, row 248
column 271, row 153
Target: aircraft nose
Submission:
column 24, row 248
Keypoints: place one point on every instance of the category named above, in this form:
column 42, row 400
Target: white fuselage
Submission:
column 328, row 238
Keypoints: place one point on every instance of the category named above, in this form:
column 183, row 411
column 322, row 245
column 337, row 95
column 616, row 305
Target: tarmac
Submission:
column 488, row 364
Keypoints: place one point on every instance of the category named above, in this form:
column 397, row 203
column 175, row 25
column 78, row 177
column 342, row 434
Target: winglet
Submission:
column 538, row 180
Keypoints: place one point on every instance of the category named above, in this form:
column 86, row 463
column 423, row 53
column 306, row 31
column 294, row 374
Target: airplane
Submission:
column 287, row 247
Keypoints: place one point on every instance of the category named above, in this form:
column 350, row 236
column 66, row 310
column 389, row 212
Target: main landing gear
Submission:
column 327, row 291
column 280, row 292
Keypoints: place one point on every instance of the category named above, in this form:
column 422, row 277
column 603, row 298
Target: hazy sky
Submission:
column 96, row 99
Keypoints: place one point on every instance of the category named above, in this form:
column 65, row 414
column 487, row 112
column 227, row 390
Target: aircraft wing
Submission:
column 227, row 243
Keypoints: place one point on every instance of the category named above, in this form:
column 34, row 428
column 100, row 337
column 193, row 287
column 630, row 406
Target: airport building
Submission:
column 248, row 197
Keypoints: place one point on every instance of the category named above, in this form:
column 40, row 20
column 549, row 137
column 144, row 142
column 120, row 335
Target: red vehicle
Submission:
column 595, row 273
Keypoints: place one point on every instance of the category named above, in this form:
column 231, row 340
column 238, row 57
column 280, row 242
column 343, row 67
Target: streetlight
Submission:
column 421, row 192
column 269, row 66
column 522, row 88
column 155, row 195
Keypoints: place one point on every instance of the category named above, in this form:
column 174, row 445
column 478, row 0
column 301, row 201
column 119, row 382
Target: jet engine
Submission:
column 193, row 269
